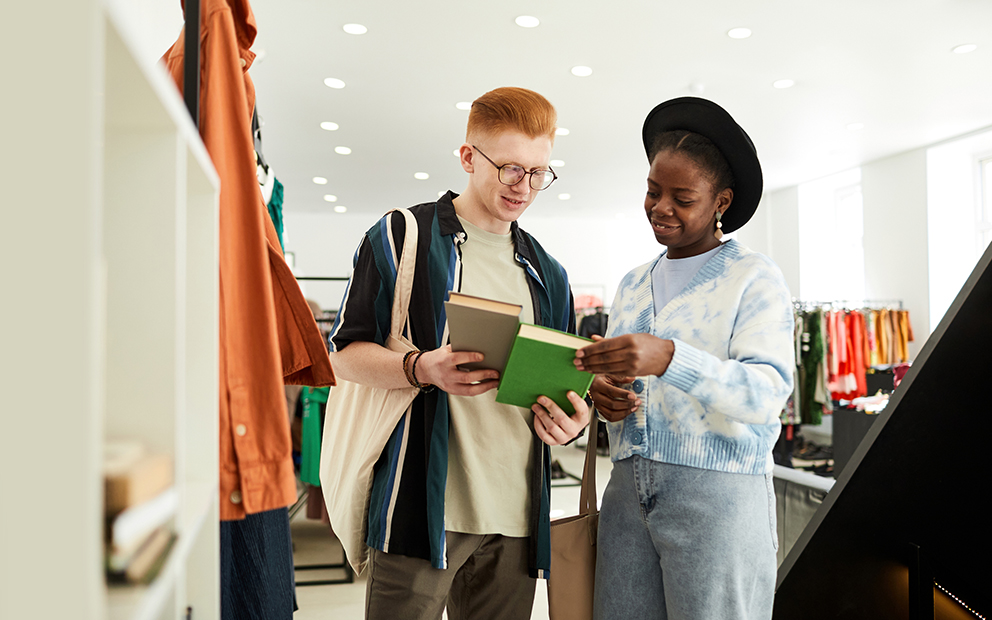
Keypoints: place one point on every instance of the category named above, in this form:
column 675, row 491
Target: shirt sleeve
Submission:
column 358, row 318
column 753, row 384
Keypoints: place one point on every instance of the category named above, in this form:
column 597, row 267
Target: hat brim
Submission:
column 706, row 118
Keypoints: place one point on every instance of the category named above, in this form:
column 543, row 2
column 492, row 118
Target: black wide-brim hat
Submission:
column 706, row 118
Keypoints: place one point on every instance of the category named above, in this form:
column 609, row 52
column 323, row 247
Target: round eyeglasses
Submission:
column 511, row 174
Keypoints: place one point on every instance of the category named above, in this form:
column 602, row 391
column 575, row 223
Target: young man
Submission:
column 458, row 515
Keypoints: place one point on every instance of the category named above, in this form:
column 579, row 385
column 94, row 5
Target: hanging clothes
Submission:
column 275, row 210
column 267, row 332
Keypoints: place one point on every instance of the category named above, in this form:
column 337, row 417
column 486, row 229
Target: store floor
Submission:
column 313, row 544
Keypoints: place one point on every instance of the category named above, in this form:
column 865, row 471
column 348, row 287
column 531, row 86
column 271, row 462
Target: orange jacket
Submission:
column 267, row 331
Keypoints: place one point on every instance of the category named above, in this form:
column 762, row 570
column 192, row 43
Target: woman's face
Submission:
column 681, row 205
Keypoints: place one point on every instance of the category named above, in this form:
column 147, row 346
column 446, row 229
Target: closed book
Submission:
column 134, row 478
column 483, row 325
column 146, row 562
column 541, row 363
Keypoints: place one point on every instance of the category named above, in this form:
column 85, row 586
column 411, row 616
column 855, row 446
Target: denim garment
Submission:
column 682, row 543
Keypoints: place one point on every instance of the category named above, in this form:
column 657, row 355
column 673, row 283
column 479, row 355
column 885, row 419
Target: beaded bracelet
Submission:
column 426, row 387
column 406, row 370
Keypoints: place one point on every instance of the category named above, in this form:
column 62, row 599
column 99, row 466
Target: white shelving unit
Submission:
column 110, row 319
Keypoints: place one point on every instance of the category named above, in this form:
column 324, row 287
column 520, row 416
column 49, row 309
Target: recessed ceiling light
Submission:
column 527, row 21
column 421, row 176
column 342, row 150
column 441, row 193
column 786, row 83
column 354, row 29
column 330, row 198
column 320, row 180
column 557, row 162
column 464, row 105
column 333, row 83
column 329, row 126
column 964, row 49
column 457, row 152
column 561, row 131
column 739, row 33
column 564, row 196
column 581, row 71
column 340, row 209
column 856, row 126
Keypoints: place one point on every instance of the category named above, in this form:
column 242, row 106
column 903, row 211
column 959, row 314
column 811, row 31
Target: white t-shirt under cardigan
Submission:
column 717, row 405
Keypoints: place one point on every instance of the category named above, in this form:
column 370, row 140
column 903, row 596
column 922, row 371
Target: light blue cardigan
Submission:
column 717, row 405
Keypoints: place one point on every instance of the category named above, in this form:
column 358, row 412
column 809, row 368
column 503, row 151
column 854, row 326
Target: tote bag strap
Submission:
column 587, row 497
column 404, row 274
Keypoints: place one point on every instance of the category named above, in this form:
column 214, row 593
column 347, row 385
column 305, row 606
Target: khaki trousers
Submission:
column 486, row 579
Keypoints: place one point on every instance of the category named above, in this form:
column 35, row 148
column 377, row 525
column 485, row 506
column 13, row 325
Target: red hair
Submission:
column 512, row 109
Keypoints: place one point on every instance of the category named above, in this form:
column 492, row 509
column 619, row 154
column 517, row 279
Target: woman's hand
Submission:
column 630, row 355
column 554, row 426
column 440, row 367
column 612, row 401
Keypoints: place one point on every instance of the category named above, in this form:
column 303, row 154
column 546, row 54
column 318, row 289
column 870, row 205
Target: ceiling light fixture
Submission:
column 330, row 198
column 441, row 193
column 464, row 105
column 964, row 49
column 527, row 21
column 739, row 33
column 333, row 83
column 564, row 196
column 320, row 180
column 557, row 162
column 856, row 126
column 561, row 131
column 354, row 29
column 340, row 209
column 329, row 126
column 581, row 71
column 421, row 176
column 342, row 150
column 786, row 83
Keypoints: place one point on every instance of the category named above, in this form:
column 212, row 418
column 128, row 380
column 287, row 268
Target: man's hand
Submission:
column 612, row 401
column 440, row 367
column 634, row 355
column 554, row 426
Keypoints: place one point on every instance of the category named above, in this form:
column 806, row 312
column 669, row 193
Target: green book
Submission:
column 540, row 363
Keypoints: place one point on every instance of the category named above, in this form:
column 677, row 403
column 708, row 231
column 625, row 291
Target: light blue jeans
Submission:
column 680, row 543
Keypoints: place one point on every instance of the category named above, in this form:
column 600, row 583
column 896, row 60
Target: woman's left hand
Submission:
column 554, row 426
column 634, row 355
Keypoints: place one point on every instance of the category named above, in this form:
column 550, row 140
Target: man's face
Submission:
column 499, row 202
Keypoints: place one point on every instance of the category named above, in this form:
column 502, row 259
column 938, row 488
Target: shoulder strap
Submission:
column 587, row 497
column 404, row 274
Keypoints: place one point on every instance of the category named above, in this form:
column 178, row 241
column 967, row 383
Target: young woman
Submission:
column 695, row 370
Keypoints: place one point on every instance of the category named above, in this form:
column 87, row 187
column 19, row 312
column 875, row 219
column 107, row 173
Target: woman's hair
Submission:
column 700, row 150
column 512, row 109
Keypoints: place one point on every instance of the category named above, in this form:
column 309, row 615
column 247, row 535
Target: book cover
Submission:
column 128, row 529
column 483, row 325
column 540, row 363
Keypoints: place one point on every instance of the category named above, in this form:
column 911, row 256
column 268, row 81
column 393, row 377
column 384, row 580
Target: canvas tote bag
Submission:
column 359, row 421
column 573, row 548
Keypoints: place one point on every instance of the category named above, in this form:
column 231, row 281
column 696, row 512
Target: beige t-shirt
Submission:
column 490, row 454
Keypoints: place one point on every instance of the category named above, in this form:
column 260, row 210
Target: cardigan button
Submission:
column 638, row 386
column 636, row 438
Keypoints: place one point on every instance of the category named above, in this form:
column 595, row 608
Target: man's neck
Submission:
column 470, row 208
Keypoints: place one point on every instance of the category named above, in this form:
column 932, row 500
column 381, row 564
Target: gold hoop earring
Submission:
column 719, row 233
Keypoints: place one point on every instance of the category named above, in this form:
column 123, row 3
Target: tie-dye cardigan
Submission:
column 717, row 405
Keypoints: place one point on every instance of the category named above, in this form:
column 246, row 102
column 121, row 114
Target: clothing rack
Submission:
column 191, row 66
column 850, row 304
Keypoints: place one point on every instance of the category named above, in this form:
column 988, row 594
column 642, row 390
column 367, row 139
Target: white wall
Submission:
column 896, row 263
column 774, row 231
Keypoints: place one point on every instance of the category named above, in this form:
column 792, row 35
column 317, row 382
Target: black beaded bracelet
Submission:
column 425, row 387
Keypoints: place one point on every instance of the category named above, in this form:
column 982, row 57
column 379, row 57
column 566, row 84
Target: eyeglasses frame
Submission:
column 499, row 172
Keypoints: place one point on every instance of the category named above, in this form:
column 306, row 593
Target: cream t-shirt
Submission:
column 490, row 454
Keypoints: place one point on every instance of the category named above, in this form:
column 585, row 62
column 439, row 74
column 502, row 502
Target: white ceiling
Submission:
column 884, row 63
